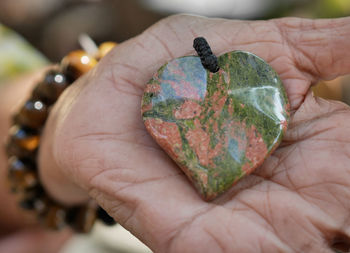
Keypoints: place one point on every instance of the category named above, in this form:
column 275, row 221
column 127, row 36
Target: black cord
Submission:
column 208, row 59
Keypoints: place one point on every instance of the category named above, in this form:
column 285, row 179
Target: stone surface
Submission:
column 33, row 114
column 76, row 64
column 22, row 142
column 49, row 90
column 22, row 175
column 105, row 48
column 216, row 127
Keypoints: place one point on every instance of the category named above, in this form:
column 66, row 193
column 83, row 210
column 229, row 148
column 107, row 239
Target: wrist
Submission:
column 60, row 203
column 11, row 96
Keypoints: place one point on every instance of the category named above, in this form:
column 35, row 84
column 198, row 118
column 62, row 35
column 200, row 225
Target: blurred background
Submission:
column 52, row 27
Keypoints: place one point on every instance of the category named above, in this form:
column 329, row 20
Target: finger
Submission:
column 300, row 50
column 319, row 47
column 34, row 241
column 318, row 138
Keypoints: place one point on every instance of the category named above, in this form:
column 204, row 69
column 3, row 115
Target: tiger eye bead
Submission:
column 33, row 114
column 76, row 64
column 22, row 174
column 41, row 205
column 29, row 198
column 27, row 204
column 51, row 87
column 23, row 142
column 105, row 48
column 54, row 217
column 81, row 218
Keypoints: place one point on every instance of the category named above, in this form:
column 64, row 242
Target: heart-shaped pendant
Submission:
column 218, row 126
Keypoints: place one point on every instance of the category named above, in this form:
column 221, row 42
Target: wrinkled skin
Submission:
column 297, row 201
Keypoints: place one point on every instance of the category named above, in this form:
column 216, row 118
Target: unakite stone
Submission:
column 219, row 126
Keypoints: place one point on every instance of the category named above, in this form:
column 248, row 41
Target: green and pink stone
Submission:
column 219, row 126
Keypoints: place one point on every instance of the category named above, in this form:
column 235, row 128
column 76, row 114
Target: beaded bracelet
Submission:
column 23, row 143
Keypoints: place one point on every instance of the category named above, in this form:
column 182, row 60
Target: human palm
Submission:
column 297, row 201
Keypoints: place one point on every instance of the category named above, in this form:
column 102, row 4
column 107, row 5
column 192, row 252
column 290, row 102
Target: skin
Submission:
column 95, row 144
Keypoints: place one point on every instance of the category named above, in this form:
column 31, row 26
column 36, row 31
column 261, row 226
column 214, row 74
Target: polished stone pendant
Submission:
column 219, row 126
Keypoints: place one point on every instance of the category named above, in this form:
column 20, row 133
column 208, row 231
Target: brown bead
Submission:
column 54, row 217
column 41, row 205
column 51, row 87
column 23, row 142
column 77, row 63
column 105, row 48
column 29, row 198
column 35, row 199
column 33, row 114
column 27, row 204
column 81, row 219
column 22, row 174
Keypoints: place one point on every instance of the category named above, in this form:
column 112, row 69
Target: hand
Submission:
column 298, row 201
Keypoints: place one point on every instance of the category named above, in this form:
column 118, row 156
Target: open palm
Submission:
column 297, row 201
